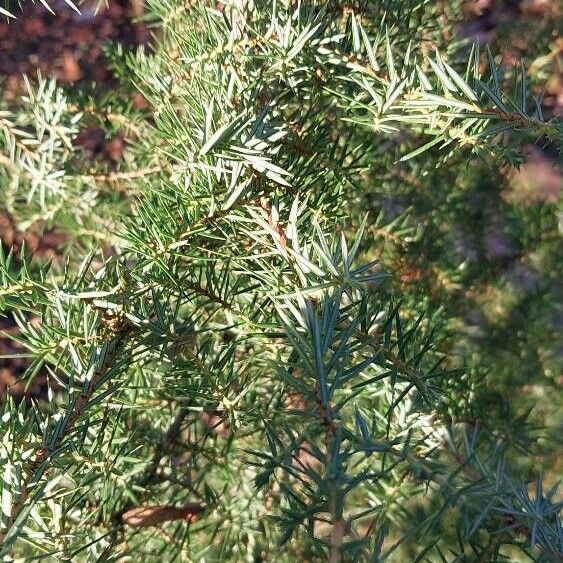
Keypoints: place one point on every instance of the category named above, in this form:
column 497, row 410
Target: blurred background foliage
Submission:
column 481, row 244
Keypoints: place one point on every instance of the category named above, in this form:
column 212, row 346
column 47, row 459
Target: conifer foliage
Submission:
column 233, row 373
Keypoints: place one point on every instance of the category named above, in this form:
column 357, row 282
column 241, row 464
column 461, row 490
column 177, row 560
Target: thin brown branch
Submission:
column 129, row 175
column 203, row 291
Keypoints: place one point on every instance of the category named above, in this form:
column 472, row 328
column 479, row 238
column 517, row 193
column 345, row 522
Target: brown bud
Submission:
column 217, row 422
column 146, row 516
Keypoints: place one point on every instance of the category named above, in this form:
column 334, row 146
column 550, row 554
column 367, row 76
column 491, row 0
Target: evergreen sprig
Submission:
column 233, row 378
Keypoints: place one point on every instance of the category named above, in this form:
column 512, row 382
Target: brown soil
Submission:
column 69, row 47
column 66, row 45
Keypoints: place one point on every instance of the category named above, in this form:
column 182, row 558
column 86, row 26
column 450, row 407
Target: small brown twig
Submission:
column 147, row 516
